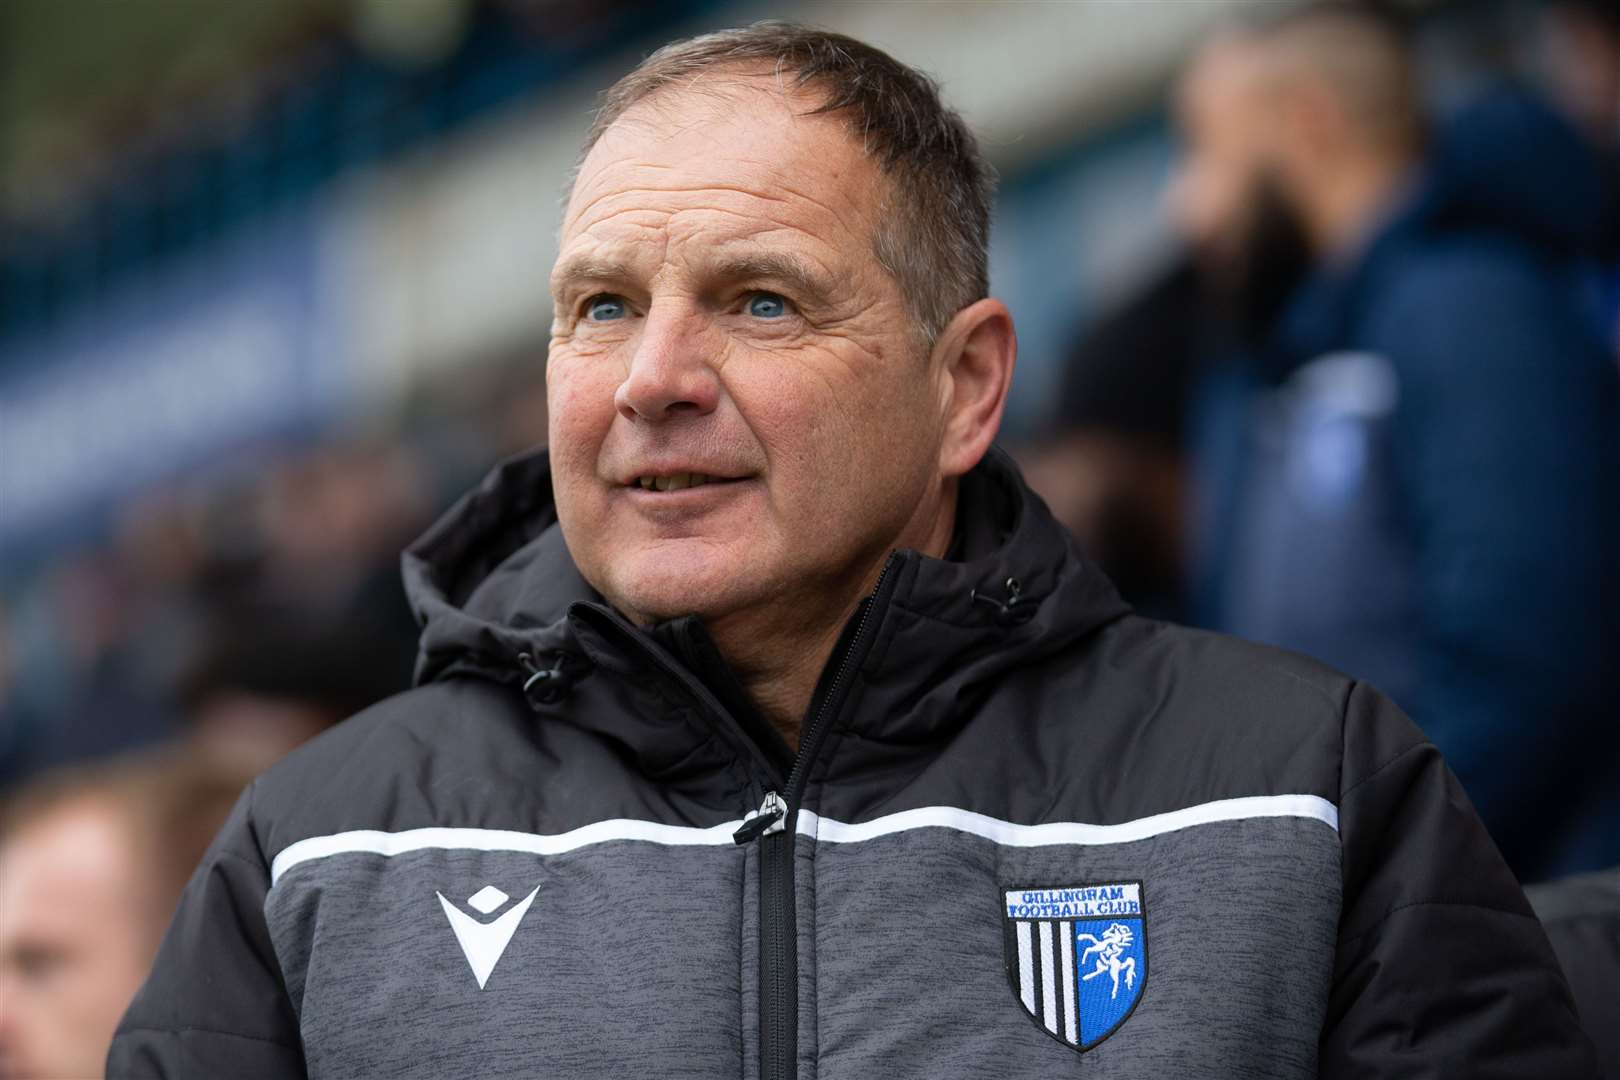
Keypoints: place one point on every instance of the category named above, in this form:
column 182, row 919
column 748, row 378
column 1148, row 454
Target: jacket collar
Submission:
column 492, row 581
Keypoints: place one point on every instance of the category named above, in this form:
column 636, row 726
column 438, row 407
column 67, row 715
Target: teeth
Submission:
column 675, row 482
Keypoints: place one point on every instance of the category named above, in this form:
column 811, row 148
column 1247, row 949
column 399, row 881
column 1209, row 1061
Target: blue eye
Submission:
column 605, row 308
column 767, row 305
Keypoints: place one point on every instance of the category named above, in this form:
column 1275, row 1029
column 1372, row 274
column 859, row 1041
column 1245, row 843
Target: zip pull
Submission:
column 771, row 817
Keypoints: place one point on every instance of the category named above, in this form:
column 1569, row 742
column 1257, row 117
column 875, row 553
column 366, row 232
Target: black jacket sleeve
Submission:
column 1442, row 969
column 214, row 1004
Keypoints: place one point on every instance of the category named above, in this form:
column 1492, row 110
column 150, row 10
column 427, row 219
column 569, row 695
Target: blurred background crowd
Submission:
column 1319, row 315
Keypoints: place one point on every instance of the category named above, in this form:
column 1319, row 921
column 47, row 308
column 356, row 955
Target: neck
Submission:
column 1343, row 202
column 780, row 652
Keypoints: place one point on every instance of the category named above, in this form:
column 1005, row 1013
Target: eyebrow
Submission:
column 790, row 270
column 778, row 266
column 580, row 268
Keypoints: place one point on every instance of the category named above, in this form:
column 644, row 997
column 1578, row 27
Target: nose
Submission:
column 671, row 372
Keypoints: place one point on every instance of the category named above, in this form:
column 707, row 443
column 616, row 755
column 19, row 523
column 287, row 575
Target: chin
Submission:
column 660, row 585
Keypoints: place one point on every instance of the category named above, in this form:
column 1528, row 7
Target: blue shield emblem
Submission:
column 1077, row 957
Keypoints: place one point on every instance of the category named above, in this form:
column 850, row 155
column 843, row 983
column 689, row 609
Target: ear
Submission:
column 974, row 356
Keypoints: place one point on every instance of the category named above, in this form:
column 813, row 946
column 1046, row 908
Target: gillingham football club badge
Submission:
column 1077, row 957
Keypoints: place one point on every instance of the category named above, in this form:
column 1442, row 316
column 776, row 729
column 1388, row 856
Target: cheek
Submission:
column 579, row 402
column 837, row 435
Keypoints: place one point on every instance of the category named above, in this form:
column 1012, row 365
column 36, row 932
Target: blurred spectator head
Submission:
column 1295, row 132
column 1581, row 65
column 92, row 862
column 272, row 677
column 336, row 508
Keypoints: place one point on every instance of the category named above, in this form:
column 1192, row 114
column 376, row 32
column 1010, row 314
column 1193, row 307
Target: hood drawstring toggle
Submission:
column 1014, row 610
column 546, row 686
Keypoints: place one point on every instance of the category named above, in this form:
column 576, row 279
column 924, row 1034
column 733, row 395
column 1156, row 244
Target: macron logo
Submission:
column 482, row 943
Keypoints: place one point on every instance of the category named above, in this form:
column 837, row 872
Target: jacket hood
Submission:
column 1506, row 162
column 493, row 585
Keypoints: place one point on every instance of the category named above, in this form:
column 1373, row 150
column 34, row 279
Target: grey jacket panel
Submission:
column 912, row 974
column 590, row 948
column 413, row 964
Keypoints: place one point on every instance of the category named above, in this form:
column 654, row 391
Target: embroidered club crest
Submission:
column 1077, row 957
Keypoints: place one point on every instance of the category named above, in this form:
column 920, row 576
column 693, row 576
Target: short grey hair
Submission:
column 935, row 241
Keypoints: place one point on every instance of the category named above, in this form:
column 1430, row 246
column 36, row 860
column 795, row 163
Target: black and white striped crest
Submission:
column 1077, row 957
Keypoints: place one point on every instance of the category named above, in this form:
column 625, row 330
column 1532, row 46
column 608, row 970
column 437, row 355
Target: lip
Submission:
column 684, row 508
column 716, row 476
column 716, row 488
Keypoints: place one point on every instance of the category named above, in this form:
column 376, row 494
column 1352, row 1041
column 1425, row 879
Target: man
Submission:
column 1412, row 474
column 770, row 728
column 92, row 861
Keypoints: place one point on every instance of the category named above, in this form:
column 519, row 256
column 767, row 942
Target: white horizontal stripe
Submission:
column 398, row 843
column 368, row 841
column 1071, row 832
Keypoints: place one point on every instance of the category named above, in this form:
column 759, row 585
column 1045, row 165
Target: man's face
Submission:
column 1231, row 199
column 75, row 942
column 720, row 314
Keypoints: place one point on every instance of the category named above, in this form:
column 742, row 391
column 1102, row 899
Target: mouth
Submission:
column 679, row 481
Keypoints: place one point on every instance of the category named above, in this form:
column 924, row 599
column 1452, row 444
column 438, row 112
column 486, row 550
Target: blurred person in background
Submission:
column 1412, row 470
column 83, row 682
column 1580, row 42
column 1579, row 53
column 272, row 676
column 1111, row 463
column 92, row 860
column 245, row 616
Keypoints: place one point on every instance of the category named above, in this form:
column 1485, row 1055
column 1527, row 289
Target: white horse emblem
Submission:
column 1108, row 950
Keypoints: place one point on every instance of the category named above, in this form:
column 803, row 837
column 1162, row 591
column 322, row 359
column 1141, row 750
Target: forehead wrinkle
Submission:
column 584, row 211
column 626, row 256
column 675, row 230
column 660, row 115
column 676, row 226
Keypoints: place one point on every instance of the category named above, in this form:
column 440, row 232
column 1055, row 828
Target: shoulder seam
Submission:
column 1419, row 745
column 208, row 1031
column 226, row 853
column 1322, row 690
column 251, row 819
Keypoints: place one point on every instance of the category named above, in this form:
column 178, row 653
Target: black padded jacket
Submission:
column 1027, row 834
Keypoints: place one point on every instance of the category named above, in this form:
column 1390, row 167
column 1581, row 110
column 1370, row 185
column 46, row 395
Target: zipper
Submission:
column 770, row 826
column 769, row 819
